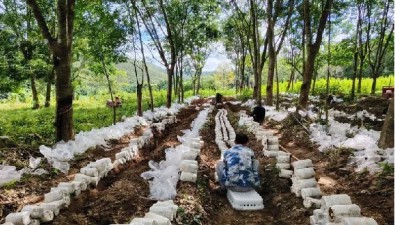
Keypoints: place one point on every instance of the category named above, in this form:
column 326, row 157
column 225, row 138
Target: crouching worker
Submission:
column 218, row 99
column 258, row 114
column 238, row 171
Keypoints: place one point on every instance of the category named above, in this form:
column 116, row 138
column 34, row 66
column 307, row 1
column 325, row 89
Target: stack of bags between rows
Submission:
column 189, row 165
column 271, row 150
column 304, row 183
column 224, row 132
column 127, row 153
column 333, row 209
column 339, row 210
column 59, row 197
column 160, row 213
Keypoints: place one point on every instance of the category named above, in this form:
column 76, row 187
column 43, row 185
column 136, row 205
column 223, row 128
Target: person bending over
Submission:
column 238, row 171
column 258, row 114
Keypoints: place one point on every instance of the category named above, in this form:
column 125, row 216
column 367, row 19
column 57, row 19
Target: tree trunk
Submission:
column 139, row 99
column 314, row 80
column 312, row 48
column 49, row 85
column 176, row 79
column 307, row 77
column 375, row 75
column 64, row 97
column 36, row 104
column 272, row 55
column 354, row 75
column 198, row 82
column 139, row 85
column 242, row 72
column 170, row 74
column 387, row 132
column 110, row 90
column 61, row 48
column 291, row 78
column 151, row 103
column 277, row 86
column 256, row 54
column 181, row 88
column 328, row 74
column 194, row 84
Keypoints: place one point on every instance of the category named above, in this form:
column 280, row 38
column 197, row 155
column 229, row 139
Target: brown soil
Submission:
column 123, row 194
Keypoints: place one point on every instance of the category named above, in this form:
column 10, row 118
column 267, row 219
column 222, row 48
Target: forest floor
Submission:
column 123, row 194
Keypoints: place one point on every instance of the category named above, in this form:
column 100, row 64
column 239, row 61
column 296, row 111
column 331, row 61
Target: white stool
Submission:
column 250, row 200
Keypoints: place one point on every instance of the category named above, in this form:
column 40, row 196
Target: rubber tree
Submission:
column 279, row 15
column 17, row 16
column 9, row 61
column 199, row 32
column 155, row 18
column 105, row 33
column 252, row 18
column 384, row 29
column 235, row 39
column 293, row 52
column 61, row 48
column 313, row 43
column 137, row 19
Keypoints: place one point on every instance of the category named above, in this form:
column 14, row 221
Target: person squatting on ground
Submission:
column 239, row 170
column 218, row 99
column 258, row 114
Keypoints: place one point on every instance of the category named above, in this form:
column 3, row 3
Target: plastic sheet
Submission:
column 34, row 162
column 63, row 152
column 9, row 174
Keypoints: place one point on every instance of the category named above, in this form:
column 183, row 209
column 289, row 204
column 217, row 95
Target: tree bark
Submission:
column 139, row 99
column 51, row 76
column 314, row 80
column 270, row 40
column 170, row 67
column 291, row 78
column 36, row 104
column 387, row 132
column 176, row 80
column 170, row 75
column 114, row 108
column 271, row 53
column 256, row 53
column 64, row 98
column 151, row 104
column 198, row 82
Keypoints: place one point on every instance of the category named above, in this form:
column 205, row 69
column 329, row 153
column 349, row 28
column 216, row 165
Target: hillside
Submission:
column 156, row 73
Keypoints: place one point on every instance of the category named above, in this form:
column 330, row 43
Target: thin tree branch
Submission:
column 42, row 24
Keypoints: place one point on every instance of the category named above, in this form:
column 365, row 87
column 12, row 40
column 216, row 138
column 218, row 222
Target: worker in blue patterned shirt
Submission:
column 238, row 171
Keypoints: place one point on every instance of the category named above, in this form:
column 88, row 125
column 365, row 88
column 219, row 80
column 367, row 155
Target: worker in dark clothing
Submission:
column 218, row 98
column 258, row 114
